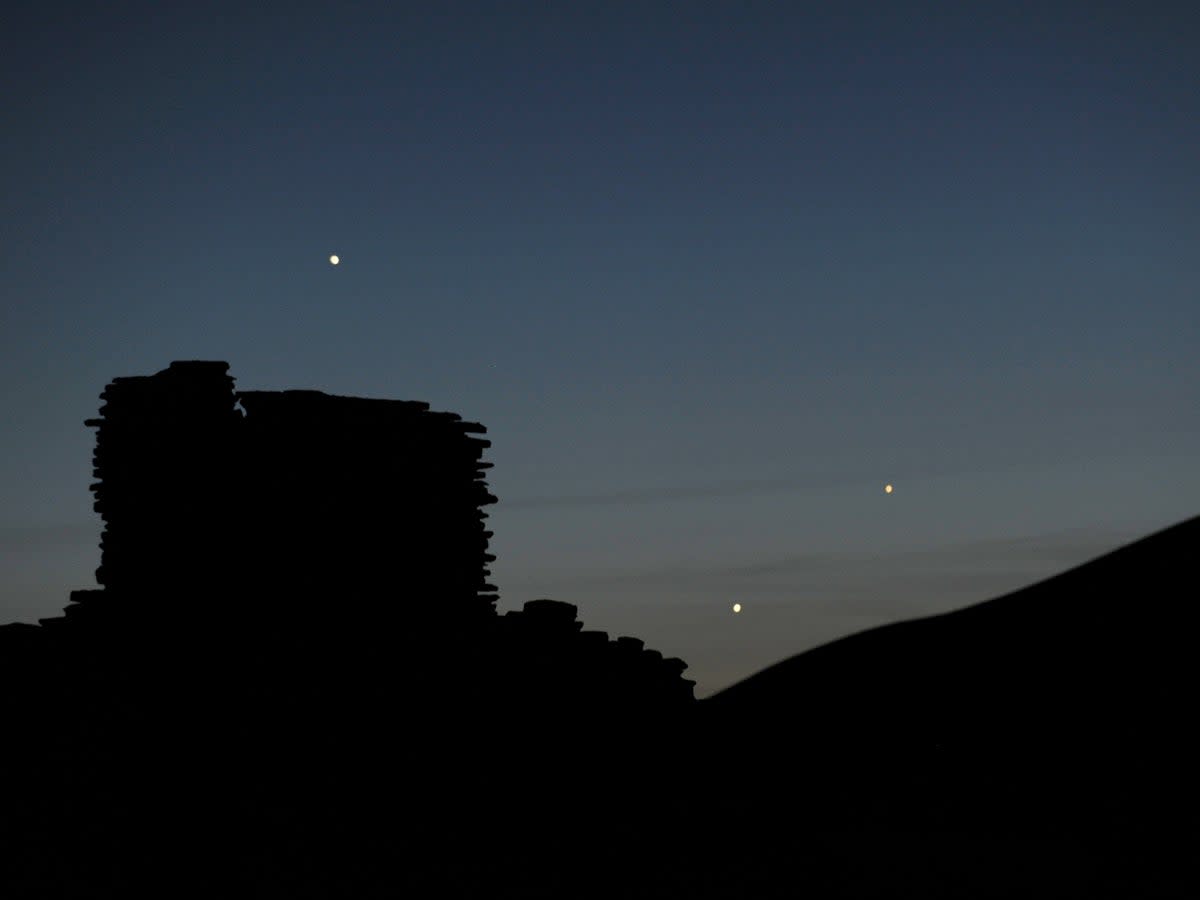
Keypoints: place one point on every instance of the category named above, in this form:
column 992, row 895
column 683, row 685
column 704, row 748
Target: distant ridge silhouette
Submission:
column 293, row 682
column 1093, row 605
column 1056, row 721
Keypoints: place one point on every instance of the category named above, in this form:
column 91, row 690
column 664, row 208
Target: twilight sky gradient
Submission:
column 711, row 274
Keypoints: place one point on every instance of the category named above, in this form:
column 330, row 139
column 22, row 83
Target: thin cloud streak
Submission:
column 653, row 495
column 963, row 559
column 899, row 476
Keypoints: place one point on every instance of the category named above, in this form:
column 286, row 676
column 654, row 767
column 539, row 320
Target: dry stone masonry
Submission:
column 245, row 515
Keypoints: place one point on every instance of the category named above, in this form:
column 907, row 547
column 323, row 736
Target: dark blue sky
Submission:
column 711, row 274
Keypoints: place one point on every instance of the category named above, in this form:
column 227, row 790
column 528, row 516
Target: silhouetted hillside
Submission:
column 1115, row 635
column 293, row 683
column 1059, row 715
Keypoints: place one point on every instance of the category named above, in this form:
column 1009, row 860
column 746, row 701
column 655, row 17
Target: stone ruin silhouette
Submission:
column 294, row 675
column 312, row 506
column 316, row 512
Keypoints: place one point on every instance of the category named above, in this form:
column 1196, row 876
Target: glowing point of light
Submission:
column 887, row 489
column 737, row 607
column 333, row 260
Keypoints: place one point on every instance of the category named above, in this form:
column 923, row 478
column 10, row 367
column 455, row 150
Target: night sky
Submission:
column 711, row 274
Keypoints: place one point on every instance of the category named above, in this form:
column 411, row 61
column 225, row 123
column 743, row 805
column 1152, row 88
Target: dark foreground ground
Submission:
column 1039, row 745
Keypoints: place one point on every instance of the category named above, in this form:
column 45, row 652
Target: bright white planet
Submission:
column 887, row 488
column 737, row 607
column 333, row 260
